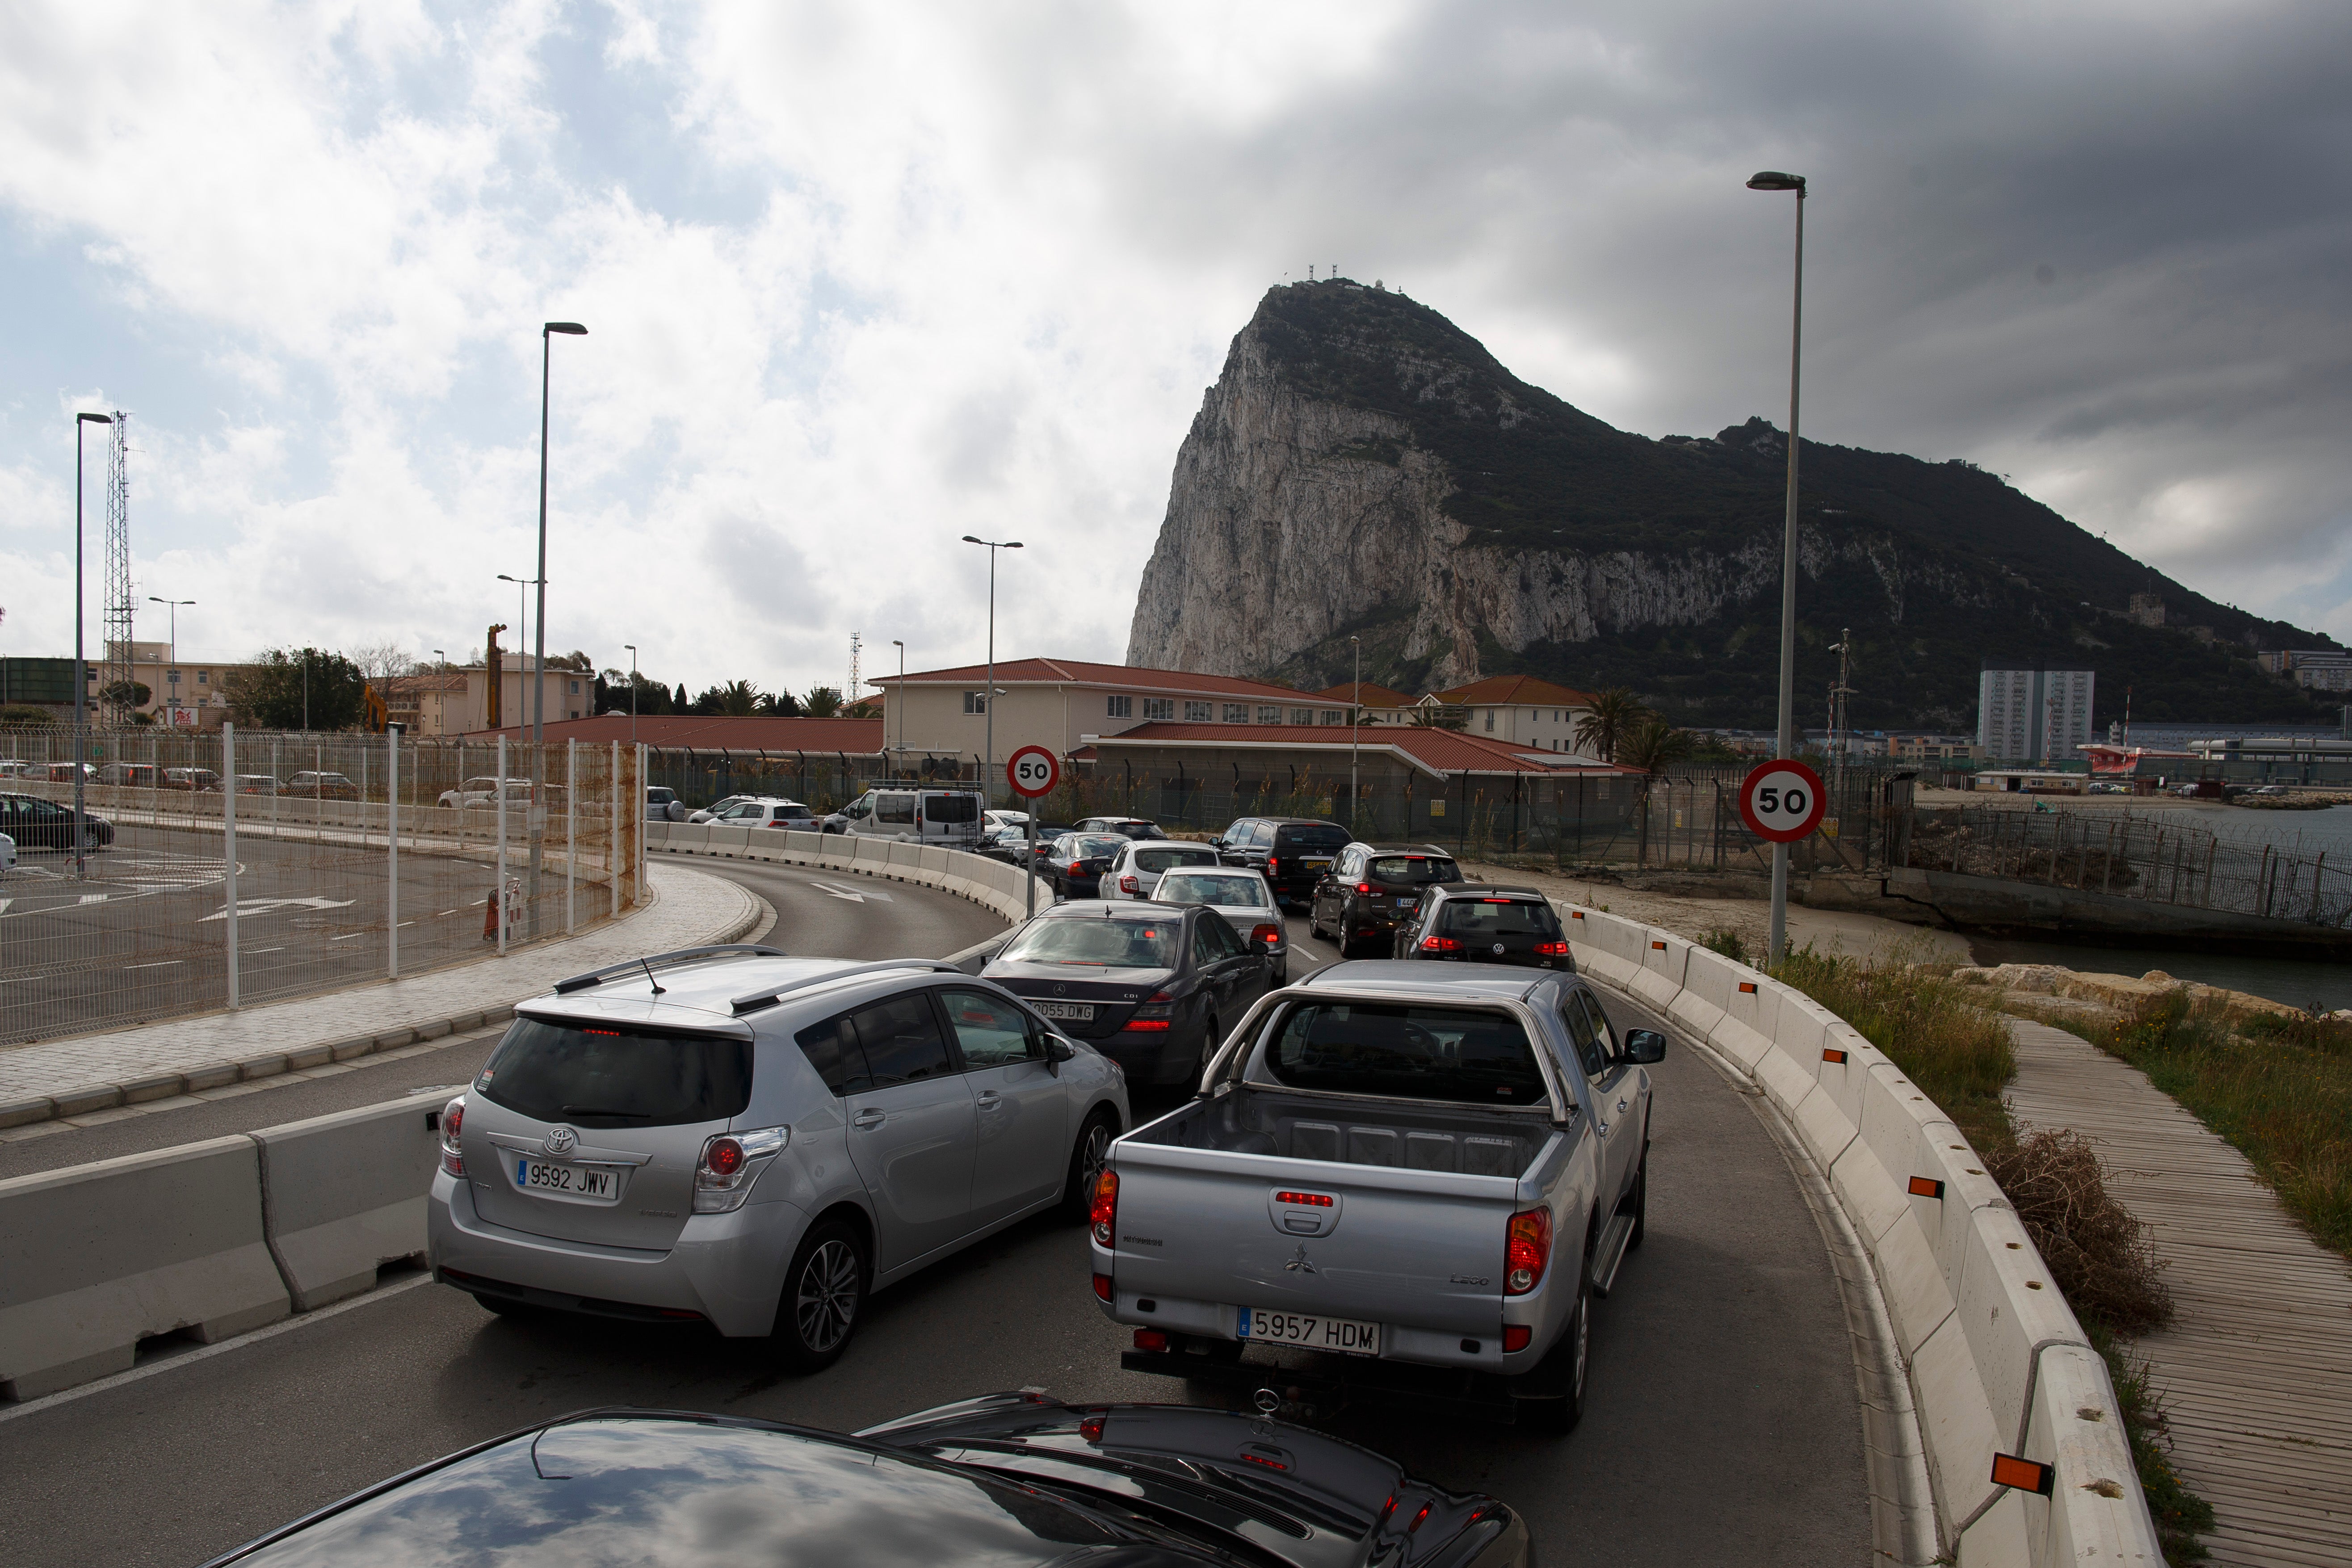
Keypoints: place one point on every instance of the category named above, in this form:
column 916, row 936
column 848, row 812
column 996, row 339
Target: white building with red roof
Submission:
column 1060, row 703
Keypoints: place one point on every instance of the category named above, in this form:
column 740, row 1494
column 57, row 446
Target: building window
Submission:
column 975, row 701
column 204, row 677
column 1159, row 707
column 1302, row 715
column 1269, row 715
column 1119, row 708
column 1236, row 713
column 1490, row 721
column 575, row 689
column 1335, row 715
column 1199, row 712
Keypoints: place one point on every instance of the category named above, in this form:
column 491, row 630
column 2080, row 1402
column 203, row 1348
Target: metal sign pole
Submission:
column 228, row 851
column 498, row 893
column 392, row 852
column 1029, row 882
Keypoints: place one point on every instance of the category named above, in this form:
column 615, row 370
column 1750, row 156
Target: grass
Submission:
column 1728, row 942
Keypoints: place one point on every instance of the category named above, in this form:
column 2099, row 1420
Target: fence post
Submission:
column 571, row 834
column 499, row 892
column 391, row 849
column 613, row 851
column 228, row 851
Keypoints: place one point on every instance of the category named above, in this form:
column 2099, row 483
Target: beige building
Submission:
column 1519, row 710
column 455, row 700
column 1062, row 704
column 188, row 693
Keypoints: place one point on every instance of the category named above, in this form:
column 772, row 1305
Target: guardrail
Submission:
column 1997, row 1362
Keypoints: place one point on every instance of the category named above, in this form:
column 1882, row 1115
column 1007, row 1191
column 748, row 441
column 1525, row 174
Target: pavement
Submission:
column 1725, row 1421
column 190, row 1058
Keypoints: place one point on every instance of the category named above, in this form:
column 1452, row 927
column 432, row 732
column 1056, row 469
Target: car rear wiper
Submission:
column 599, row 1110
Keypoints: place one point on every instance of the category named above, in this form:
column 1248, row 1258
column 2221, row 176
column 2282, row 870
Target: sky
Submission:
column 863, row 279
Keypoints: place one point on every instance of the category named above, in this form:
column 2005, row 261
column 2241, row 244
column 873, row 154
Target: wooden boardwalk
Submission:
column 2255, row 1372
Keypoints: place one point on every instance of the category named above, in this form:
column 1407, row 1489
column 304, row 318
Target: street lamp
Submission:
column 988, row 703
column 633, row 694
column 1772, row 180
column 899, row 699
column 539, row 649
column 175, row 604
column 440, row 696
column 81, row 665
column 522, row 589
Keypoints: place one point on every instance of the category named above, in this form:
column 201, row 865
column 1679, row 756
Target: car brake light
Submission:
column 1269, row 934
column 1102, row 1286
column 1527, row 1250
column 1440, row 944
column 729, row 1165
column 1090, row 1430
column 1364, row 890
column 1552, row 948
column 1309, row 1200
column 1272, row 864
column 1154, row 1340
column 1517, row 1337
column 453, row 1118
column 1129, row 885
column 1103, row 1213
column 1145, row 1025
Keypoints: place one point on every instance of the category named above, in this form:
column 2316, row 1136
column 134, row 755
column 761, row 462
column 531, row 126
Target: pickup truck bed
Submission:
column 1253, row 1120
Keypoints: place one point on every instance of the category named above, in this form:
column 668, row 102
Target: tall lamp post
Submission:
column 440, row 695
column 81, row 665
column 1772, row 180
column 898, row 700
column 175, row 604
column 633, row 694
column 988, row 699
column 1355, row 719
column 539, row 633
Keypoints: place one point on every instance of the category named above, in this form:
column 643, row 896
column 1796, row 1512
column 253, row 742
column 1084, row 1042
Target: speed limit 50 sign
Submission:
column 1033, row 771
column 1781, row 801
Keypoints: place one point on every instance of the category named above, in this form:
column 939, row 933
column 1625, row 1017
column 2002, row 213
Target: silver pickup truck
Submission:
column 1393, row 1184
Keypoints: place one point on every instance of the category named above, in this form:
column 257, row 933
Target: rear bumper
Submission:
column 1401, row 1344
column 729, row 1267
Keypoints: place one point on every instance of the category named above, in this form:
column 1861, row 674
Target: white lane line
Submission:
column 354, row 937
column 93, row 897
column 258, row 951
column 452, row 911
column 164, row 963
column 408, row 923
column 284, row 1325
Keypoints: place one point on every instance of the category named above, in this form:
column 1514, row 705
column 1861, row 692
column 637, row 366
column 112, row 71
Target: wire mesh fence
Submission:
column 2135, row 857
column 225, row 869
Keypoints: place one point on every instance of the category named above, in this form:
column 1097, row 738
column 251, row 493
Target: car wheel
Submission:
column 1552, row 1396
column 1348, row 941
column 824, row 1290
column 1314, row 918
column 1087, row 1158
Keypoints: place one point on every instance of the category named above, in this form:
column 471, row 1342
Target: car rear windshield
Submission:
column 1169, row 859
column 1413, row 870
column 951, row 808
column 1097, row 846
column 1229, row 888
column 1120, row 943
column 1501, row 916
column 595, row 1077
column 1314, row 835
column 1409, row 1051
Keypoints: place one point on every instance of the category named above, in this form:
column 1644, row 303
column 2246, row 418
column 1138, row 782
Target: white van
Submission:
column 946, row 816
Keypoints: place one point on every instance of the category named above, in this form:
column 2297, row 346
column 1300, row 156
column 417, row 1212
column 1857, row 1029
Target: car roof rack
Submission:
column 767, row 997
column 663, row 960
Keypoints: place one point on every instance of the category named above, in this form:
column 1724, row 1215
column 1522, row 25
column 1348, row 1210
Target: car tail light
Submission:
column 1103, row 1213
column 1272, row 864
column 1517, row 1337
column 453, row 1118
column 1440, row 944
column 1152, row 1339
column 731, row 1164
column 1090, row 1430
column 1145, row 1026
column 1552, row 948
column 1154, row 1013
column 1269, row 934
column 1527, row 1250
column 1102, row 1286
column 1129, row 885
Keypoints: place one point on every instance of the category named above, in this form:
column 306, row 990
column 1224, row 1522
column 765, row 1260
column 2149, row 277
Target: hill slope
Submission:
column 1364, row 467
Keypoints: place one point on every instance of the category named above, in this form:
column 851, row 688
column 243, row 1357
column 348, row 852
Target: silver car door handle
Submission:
column 867, row 1119
column 1620, row 1108
column 1601, row 1128
column 989, row 1100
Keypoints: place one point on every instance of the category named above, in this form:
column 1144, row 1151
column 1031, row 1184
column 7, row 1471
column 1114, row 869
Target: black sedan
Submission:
column 1472, row 922
column 1152, row 986
column 35, row 823
column 1010, row 1480
column 1076, row 862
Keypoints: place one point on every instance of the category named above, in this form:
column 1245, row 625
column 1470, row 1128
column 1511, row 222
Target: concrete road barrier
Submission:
column 97, row 1258
column 344, row 1194
column 991, row 884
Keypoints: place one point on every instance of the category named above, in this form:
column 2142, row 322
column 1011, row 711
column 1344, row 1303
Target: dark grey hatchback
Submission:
column 1008, row 1480
column 1152, row 986
column 1485, row 923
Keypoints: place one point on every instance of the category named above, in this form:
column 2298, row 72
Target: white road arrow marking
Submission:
column 830, row 891
column 92, row 899
column 271, row 906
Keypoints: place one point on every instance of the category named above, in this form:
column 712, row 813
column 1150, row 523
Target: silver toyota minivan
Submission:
column 733, row 1135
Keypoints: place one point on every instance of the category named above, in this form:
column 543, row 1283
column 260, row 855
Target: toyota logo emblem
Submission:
column 560, row 1140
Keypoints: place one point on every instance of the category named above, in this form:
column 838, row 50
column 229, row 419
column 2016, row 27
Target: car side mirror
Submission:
column 1259, row 945
column 1058, row 1049
column 1644, row 1047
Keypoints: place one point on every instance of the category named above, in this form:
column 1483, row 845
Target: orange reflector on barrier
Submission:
column 1927, row 1187
column 2025, row 1475
column 1576, row 914
column 1659, row 946
column 1831, row 1054
column 1748, row 987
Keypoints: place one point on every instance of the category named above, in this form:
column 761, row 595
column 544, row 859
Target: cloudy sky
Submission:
column 863, row 279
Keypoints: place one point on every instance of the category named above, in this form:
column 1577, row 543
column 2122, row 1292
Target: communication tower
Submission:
column 115, row 665
column 850, row 696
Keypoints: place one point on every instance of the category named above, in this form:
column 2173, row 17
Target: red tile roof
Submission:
column 1374, row 695
column 1076, row 672
column 1434, row 751
column 1520, row 690
column 705, row 732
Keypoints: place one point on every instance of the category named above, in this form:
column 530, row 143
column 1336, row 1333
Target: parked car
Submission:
column 63, row 773
column 997, row 817
column 1010, row 844
column 1006, row 1478
column 759, row 1143
column 130, row 775
column 944, row 816
column 33, row 822
column 1135, row 870
column 1150, row 985
column 716, row 807
column 1243, row 898
column 258, row 783
column 482, row 793
column 201, row 781
column 311, row 785
column 1490, row 1132
column 1371, row 889
column 1293, row 852
column 7, row 853
column 1470, row 923
column 662, row 804
column 748, row 811
column 15, row 768
column 1074, row 862
column 1125, row 826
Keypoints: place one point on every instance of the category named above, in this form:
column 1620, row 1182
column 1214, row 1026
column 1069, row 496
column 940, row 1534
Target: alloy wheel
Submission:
column 826, row 1300
column 1096, row 1155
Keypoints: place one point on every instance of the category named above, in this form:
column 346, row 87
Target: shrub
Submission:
column 1728, row 942
column 2098, row 1251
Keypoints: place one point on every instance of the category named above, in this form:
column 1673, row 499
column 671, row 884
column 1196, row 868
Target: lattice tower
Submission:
column 850, row 696
column 115, row 667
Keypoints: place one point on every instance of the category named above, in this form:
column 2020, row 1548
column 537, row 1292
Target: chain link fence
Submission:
column 225, row 869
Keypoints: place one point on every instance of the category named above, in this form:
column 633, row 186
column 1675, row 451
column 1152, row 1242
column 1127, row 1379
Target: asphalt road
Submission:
column 1724, row 1422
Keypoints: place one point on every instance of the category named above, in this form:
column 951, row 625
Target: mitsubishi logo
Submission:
column 1298, row 1263
column 560, row 1141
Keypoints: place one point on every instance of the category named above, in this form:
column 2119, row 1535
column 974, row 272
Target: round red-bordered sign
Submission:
column 1033, row 770
column 1781, row 800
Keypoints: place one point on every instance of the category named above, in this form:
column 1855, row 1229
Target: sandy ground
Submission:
column 1831, row 930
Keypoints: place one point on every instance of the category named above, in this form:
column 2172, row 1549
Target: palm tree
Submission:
column 822, row 702
column 1613, row 716
column 738, row 698
column 1652, row 746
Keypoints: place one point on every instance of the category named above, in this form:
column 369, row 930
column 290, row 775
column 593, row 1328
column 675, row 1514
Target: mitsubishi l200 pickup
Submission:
column 1398, row 1181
